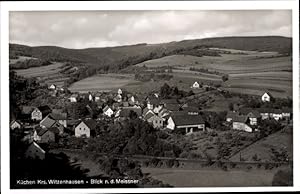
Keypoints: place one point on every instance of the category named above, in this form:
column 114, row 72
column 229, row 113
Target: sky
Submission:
column 85, row 29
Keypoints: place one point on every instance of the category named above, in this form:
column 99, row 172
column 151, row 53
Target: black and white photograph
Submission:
column 150, row 98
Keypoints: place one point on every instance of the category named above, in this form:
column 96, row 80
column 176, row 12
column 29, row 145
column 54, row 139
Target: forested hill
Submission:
column 116, row 58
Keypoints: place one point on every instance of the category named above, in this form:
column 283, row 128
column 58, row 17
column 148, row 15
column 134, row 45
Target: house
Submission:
column 164, row 113
column 156, row 121
column 133, row 99
column 266, row 97
column 45, row 135
column 164, row 102
column 60, row 116
column 191, row 110
column 91, row 97
column 152, row 101
column 172, row 107
column 34, row 151
column 26, row 112
column 52, row 87
column 85, row 128
column 157, row 108
column 186, row 123
column 241, row 123
column 276, row 114
column 15, row 125
column 195, row 85
column 49, row 122
column 252, row 114
column 230, row 115
column 120, row 91
column 287, row 113
column 97, row 97
column 39, row 113
column 74, row 98
column 108, row 111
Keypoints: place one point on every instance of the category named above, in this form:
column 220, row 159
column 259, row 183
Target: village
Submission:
column 43, row 125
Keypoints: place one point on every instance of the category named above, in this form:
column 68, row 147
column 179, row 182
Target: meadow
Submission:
column 103, row 82
column 250, row 72
column 49, row 74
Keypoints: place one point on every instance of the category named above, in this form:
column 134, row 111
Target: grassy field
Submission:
column 278, row 141
column 46, row 74
column 251, row 72
column 211, row 178
column 103, row 82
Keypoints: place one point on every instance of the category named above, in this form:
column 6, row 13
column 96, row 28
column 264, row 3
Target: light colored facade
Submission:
column 241, row 126
column 82, row 130
column 108, row 111
column 156, row 121
column 15, row 125
column 266, row 97
column 195, row 85
column 36, row 115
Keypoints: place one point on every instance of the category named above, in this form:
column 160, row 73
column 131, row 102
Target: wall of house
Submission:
column 156, row 122
column 241, row 127
column 15, row 125
column 36, row 115
column 171, row 124
column 82, row 130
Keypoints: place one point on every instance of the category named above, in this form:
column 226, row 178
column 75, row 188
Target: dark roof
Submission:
column 48, row 122
column 41, row 131
column 146, row 110
column 168, row 101
column 61, row 116
column 126, row 111
column 90, row 123
column 44, row 109
column 187, row 120
column 231, row 114
column 287, row 110
column 55, row 130
column 149, row 115
column 249, row 111
column 240, row 119
column 190, row 109
column 172, row 107
column 270, row 110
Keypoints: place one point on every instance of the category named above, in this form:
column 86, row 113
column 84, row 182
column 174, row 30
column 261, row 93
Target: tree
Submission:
column 230, row 106
column 225, row 78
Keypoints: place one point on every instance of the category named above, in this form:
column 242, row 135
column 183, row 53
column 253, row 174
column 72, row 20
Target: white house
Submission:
column 52, row 87
column 195, row 85
column 34, row 151
column 91, row 97
column 186, row 123
column 73, row 98
column 15, row 125
column 266, row 97
column 85, row 128
column 156, row 121
column 241, row 123
column 108, row 111
column 120, row 91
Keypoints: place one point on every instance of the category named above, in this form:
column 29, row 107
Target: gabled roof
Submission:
column 44, row 109
column 269, row 110
column 55, row 130
column 267, row 92
column 250, row 112
column 190, row 109
column 106, row 108
column 90, row 123
column 240, row 119
column 172, row 107
column 180, row 120
column 13, row 121
column 149, row 115
column 231, row 114
column 41, row 131
column 47, row 122
column 36, row 145
column 146, row 110
column 168, row 101
column 61, row 116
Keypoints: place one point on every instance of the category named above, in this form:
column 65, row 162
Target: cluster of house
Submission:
column 246, row 119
